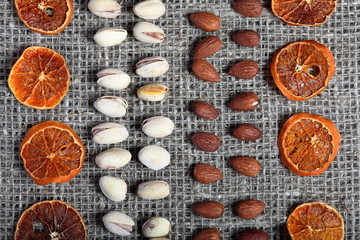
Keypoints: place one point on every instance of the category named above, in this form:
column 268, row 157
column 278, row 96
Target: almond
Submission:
column 208, row 234
column 205, row 141
column 250, row 209
column 205, row 71
column 204, row 110
column 247, row 38
column 253, row 234
column 247, row 132
column 244, row 102
column 249, row 8
column 245, row 69
column 206, row 173
column 246, row 166
column 207, row 47
column 206, row 21
column 209, row 209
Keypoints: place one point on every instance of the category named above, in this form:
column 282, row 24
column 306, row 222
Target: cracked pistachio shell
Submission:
column 111, row 106
column 118, row 223
column 153, row 190
column 153, row 92
column 158, row 127
column 113, row 188
column 105, row 8
column 109, row 133
column 154, row 157
column 156, row 227
column 148, row 33
column 107, row 37
column 112, row 78
column 149, row 9
column 152, row 67
column 113, row 158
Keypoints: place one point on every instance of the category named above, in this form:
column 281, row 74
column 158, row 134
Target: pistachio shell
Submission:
column 156, row 227
column 113, row 188
column 105, row 8
column 152, row 67
column 152, row 190
column 148, row 33
column 107, row 37
column 111, row 106
column 154, row 157
column 118, row 223
column 113, row 158
column 109, row 133
column 113, row 79
column 158, row 126
column 149, row 9
column 153, row 92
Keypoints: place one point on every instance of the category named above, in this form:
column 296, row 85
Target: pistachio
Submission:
column 153, row 92
column 111, row 106
column 105, row 8
column 113, row 79
column 156, row 227
column 113, row 188
column 118, row 223
column 148, row 33
column 107, row 37
column 113, row 158
column 152, row 67
column 158, row 127
column 154, row 157
column 153, row 190
column 109, row 133
column 149, row 9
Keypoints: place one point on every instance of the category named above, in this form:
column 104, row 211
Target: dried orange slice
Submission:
column 301, row 70
column 303, row 12
column 45, row 16
column 40, row 78
column 308, row 143
column 315, row 221
column 52, row 152
column 50, row 220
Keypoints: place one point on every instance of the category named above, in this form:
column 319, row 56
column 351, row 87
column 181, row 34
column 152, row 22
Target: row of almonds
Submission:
column 152, row 156
column 208, row 142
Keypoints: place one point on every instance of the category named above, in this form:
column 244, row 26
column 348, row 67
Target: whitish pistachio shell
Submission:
column 153, row 92
column 149, row 9
column 109, row 133
column 158, row 127
column 113, row 158
column 113, row 188
column 107, row 37
column 148, row 33
column 111, row 106
column 105, row 8
column 113, row 79
column 118, row 223
column 152, row 67
column 153, row 190
column 156, row 227
column 154, row 157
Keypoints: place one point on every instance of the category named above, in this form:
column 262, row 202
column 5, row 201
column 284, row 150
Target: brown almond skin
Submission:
column 249, row 209
column 207, row 47
column 245, row 69
column 246, row 166
column 205, row 71
column 246, row 101
column 252, row 234
column 206, row 21
column 204, row 110
column 247, row 132
column 205, row 141
column 249, row 8
column 208, row 234
column 205, row 173
column 247, row 38
column 209, row 209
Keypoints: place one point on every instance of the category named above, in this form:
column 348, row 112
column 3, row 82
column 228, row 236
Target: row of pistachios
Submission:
column 152, row 156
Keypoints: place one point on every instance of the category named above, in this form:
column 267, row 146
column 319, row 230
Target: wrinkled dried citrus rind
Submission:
column 302, row 70
column 315, row 220
column 40, row 78
column 52, row 152
column 45, row 16
column 308, row 144
column 50, row 219
column 303, row 12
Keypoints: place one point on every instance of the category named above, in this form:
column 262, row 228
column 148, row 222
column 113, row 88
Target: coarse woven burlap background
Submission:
column 279, row 188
